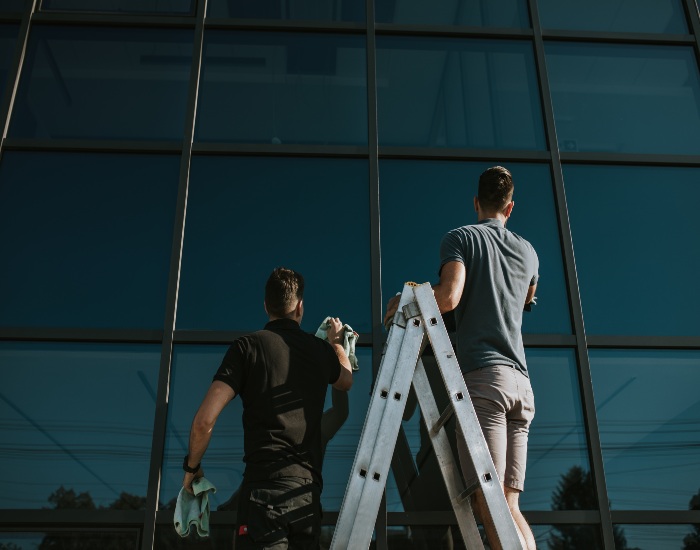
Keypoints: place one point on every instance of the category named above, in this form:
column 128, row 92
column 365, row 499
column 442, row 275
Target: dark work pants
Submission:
column 277, row 514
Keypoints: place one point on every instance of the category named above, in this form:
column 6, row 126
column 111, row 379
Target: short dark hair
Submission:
column 283, row 290
column 495, row 189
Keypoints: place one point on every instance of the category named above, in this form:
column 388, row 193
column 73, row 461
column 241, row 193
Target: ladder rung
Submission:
column 444, row 417
column 473, row 487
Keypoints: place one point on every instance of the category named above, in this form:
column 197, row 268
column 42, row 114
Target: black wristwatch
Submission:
column 186, row 466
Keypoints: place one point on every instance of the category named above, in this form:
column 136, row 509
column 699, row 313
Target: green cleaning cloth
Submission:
column 193, row 509
column 349, row 340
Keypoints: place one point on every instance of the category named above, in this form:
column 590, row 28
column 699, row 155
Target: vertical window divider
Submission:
column 375, row 243
column 584, row 367
column 691, row 9
column 163, row 390
column 15, row 72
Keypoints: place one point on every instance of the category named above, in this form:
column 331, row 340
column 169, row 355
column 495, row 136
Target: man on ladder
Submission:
column 488, row 275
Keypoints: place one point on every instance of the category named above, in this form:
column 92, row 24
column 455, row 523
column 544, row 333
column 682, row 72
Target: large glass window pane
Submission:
column 340, row 10
column 659, row 537
column 247, row 216
column 106, row 83
column 283, row 88
column 565, row 537
column 634, row 279
column 76, row 424
column 8, row 42
column 659, row 16
column 625, row 98
column 648, row 411
column 179, row 7
column 436, row 196
column 495, row 13
column 124, row 539
column 193, row 369
column 85, row 239
column 12, row 6
column 459, row 93
column 166, row 538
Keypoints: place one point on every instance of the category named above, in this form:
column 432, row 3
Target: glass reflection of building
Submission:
column 157, row 163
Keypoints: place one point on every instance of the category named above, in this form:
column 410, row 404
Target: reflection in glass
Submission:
column 193, row 369
column 568, row 537
column 283, row 88
column 659, row 16
column 440, row 194
column 625, row 98
column 12, row 6
column 459, row 93
column 85, row 239
column 105, row 83
column 84, row 444
column 8, row 41
column 299, row 10
column 661, row 537
column 635, row 280
column 558, row 472
column 648, row 411
column 166, row 538
column 495, row 13
column 113, row 539
column 179, row 7
column 247, row 216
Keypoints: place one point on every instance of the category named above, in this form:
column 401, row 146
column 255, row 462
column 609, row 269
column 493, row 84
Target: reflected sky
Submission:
column 300, row 10
column 494, row 13
column 78, row 416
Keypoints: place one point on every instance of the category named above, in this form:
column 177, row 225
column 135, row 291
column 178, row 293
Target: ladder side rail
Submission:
column 378, row 468
column 370, row 429
column 467, row 419
column 448, row 465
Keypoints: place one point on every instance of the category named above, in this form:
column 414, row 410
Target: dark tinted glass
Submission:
column 343, row 10
column 660, row 16
column 193, row 369
column 76, row 422
column 439, row 92
column 283, row 88
column 179, row 7
column 495, row 13
column 563, row 536
column 625, row 98
column 422, row 200
column 658, row 537
column 249, row 215
column 85, row 239
column 166, row 538
column 11, row 6
column 8, row 42
column 636, row 262
column 103, row 84
column 558, row 471
column 112, row 539
column 648, row 411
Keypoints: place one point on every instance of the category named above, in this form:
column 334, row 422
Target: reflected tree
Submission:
column 692, row 540
column 575, row 491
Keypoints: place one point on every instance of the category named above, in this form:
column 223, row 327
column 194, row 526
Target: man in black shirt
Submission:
column 282, row 375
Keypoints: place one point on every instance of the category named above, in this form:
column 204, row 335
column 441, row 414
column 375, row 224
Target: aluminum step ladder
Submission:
column 418, row 316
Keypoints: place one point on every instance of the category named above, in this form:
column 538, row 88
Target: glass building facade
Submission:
column 160, row 157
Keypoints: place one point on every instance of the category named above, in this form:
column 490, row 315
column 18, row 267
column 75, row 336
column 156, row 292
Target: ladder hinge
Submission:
column 411, row 310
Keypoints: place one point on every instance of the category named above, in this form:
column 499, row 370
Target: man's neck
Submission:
column 492, row 216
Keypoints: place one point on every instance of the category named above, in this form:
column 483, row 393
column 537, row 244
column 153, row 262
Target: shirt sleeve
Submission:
column 233, row 369
column 451, row 249
column 333, row 363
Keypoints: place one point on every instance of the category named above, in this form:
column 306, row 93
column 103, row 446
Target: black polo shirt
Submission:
column 282, row 375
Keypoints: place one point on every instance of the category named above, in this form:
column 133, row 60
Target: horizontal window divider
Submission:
column 146, row 336
column 644, row 342
column 453, row 153
column 447, row 517
column 619, row 37
column 49, row 519
column 656, row 516
column 452, row 30
column 228, row 336
column 8, row 17
column 264, row 149
column 93, row 146
column 284, row 25
column 549, row 340
column 114, row 20
column 629, row 159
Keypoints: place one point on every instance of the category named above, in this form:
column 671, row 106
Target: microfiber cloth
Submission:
column 349, row 340
column 193, row 509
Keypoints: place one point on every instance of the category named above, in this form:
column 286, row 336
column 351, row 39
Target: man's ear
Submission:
column 299, row 310
column 508, row 209
column 476, row 204
column 265, row 306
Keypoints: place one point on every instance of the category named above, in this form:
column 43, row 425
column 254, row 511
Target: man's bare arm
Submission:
column 218, row 396
column 448, row 292
column 335, row 337
column 530, row 293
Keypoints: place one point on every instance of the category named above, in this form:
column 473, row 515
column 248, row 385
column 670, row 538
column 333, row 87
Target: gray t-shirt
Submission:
column 501, row 266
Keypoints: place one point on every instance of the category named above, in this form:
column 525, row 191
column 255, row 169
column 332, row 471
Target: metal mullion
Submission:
column 284, row 25
column 691, row 11
column 462, row 154
column 225, row 337
column 93, row 335
column 375, row 236
column 644, row 342
column 584, row 368
column 92, row 146
column 70, row 518
column 618, row 37
column 10, row 92
column 291, row 150
column 630, row 159
column 452, row 31
column 110, row 20
column 161, row 413
column 659, row 517
column 549, row 340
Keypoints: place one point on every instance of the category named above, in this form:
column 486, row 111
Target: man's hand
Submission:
column 391, row 307
column 189, row 479
column 335, row 331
